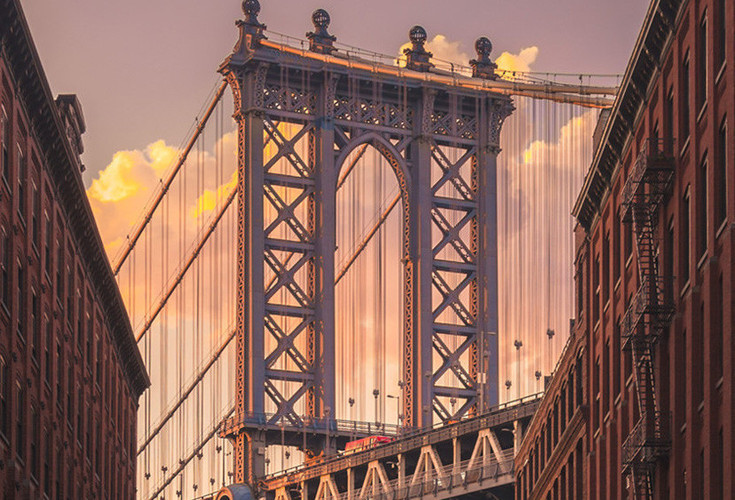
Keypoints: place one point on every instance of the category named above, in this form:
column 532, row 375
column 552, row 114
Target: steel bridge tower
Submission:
column 338, row 102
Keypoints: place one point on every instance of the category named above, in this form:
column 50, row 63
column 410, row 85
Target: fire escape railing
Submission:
column 650, row 311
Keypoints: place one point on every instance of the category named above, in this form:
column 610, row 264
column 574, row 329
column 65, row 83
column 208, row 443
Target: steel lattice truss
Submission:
column 441, row 142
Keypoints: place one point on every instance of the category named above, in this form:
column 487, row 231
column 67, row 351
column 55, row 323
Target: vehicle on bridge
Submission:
column 366, row 443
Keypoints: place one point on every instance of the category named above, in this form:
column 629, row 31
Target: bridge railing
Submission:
column 409, row 439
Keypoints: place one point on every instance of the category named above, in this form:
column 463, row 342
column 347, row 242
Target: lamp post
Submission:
column 376, row 393
column 538, row 378
column 351, row 401
column 518, row 344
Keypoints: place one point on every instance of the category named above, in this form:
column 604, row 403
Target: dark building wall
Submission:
column 550, row 460
column 694, row 238
column 70, row 375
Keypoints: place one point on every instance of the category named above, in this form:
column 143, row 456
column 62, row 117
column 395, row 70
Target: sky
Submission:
column 143, row 68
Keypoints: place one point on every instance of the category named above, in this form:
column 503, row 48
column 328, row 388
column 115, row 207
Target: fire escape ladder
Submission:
column 648, row 313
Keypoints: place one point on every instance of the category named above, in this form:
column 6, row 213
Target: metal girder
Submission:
column 441, row 143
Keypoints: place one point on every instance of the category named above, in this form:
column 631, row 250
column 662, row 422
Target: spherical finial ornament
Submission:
column 321, row 19
column 483, row 46
column 251, row 7
column 417, row 35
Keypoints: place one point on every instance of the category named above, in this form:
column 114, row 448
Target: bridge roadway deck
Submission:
column 457, row 441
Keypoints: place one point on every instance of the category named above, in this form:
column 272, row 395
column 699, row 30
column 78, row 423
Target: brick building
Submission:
column 70, row 370
column 654, row 267
column 550, row 460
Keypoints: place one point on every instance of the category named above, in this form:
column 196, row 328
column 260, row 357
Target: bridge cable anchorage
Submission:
column 132, row 241
column 184, row 396
column 183, row 463
column 364, row 242
column 187, row 265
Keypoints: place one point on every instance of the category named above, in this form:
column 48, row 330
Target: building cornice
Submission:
column 33, row 88
column 655, row 37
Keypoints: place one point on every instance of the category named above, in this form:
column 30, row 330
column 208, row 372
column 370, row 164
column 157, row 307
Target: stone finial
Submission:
column 320, row 40
column 417, row 57
column 250, row 25
column 483, row 67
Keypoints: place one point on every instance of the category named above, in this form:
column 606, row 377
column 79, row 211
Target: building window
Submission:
column 88, row 336
column 596, row 290
column 721, row 175
column 35, row 326
column 47, row 350
column 35, row 429
column 718, row 340
column 59, row 375
column 4, row 400
column 47, row 464
column 70, row 295
column 616, row 358
column 606, row 267
column 35, row 219
column 20, row 427
column 98, row 361
column 669, row 119
column 80, row 423
column 59, row 273
column 69, row 393
column 685, row 235
column 4, row 146
column 628, row 243
column 5, row 268
column 615, row 249
column 580, row 289
column 702, row 232
column 684, row 104
column 668, row 263
column 21, row 300
column 606, row 378
column 721, row 21
column 21, row 184
column 702, row 64
column 47, row 246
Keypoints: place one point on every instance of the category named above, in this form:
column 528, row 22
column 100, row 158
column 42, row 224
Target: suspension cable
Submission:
column 132, row 241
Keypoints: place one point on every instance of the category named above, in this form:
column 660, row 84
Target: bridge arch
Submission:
column 372, row 331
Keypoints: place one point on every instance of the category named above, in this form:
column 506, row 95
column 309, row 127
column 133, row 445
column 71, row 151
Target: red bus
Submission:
column 366, row 443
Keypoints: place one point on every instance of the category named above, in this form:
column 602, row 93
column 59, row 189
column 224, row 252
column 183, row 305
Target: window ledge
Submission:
column 629, row 260
column 683, row 428
column 721, row 72
column 685, row 146
column 702, row 260
column 721, row 229
column 617, row 284
column 700, row 408
column 702, row 111
column 685, row 288
column 719, row 383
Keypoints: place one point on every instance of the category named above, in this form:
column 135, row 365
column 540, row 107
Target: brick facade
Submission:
column 70, row 373
column 677, row 95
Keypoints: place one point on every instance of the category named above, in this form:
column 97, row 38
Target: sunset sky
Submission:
column 142, row 68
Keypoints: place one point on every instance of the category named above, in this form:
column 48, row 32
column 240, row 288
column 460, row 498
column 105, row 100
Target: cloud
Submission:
column 443, row 50
column 521, row 62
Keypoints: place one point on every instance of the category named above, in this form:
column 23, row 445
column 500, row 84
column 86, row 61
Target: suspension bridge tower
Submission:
column 414, row 115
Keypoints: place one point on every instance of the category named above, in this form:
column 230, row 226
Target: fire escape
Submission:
column 649, row 313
